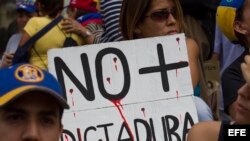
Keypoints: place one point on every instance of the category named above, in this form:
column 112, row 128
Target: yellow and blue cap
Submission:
column 20, row 79
column 226, row 13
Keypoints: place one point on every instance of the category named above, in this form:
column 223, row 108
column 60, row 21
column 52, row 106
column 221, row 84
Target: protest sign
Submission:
column 130, row 90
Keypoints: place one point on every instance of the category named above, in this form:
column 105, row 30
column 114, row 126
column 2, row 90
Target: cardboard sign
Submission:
column 212, row 73
column 132, row 90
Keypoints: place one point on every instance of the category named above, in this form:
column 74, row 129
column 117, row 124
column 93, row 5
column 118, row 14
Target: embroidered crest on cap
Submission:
column 29, row 73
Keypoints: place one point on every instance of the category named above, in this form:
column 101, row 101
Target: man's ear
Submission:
column 240, row 27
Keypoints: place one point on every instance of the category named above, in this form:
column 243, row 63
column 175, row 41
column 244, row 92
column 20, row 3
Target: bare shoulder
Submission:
column 192, row 44
column 204, row 131
column 191, row 41
column 192, row 47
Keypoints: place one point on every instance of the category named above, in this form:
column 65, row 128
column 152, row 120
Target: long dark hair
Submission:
column 51, row 7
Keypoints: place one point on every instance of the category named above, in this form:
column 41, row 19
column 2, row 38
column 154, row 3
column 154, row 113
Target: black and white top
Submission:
column 110, row 12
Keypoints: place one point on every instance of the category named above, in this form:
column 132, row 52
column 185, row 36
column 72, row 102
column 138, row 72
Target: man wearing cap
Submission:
column 25, row 10
column 31, row 104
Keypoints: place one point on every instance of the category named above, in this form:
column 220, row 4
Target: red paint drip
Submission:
column 109, row 80
column 73, row 102
column 143, row 111
column 176, row 71
column 177, row 95
column 118, row 105
column 72, row 99
column 116, row 68
column 178, row 40
column 79, row 134
column 115, row 59
column 66, row 137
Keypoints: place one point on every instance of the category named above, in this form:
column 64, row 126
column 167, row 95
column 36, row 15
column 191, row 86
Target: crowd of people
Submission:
column 100, row 21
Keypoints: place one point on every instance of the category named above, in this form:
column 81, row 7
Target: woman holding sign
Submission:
column 151, row 18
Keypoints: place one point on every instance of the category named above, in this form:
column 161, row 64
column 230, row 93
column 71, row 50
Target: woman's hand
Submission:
column 70, row 25
column 7, row 59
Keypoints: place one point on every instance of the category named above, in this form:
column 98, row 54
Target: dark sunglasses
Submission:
column 162, row 15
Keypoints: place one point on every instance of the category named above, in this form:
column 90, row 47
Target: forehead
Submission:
column 35, row 101
column 156, row 4
column 23, row 13
column 247, row 4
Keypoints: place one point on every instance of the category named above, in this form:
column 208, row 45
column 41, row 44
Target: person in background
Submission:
column 85, row 20
column 25, row 10
column 110, row 12
column 199, row 18
column 213, row 130
column 12, row 28
column 48, row 10
column 225, row 52
column 234, row 23
column 151, row 18
column 233, row 20
column 31, row 104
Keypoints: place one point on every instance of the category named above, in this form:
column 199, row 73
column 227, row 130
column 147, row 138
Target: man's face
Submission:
column 243, row 105
column 33, row 116
column 22, row 18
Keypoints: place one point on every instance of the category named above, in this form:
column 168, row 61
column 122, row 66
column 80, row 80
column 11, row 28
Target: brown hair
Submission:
column 51, row 7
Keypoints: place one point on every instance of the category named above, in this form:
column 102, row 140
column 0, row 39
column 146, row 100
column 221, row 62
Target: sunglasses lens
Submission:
column 160, row 15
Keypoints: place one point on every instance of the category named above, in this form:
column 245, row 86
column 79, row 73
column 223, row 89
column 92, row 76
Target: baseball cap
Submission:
column 85, row 5
column 27, row 5
column 226, row 13
column 20, row 79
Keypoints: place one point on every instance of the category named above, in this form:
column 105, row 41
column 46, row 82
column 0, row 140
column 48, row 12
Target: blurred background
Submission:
column 7, row 15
